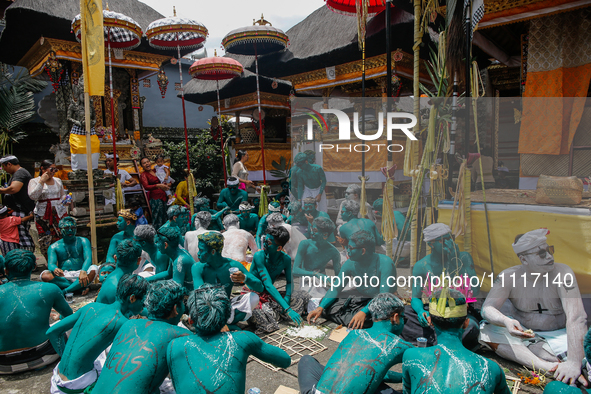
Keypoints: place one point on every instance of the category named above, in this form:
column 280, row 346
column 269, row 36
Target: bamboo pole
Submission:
column 414, row 144
column 467, row 213
column 90, row 178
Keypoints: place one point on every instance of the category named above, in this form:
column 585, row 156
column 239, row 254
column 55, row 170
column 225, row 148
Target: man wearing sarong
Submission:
column 552, row 310
column 308, row 180
column 24, row 316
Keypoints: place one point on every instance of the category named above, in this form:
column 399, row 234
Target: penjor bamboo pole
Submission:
column 415, row 158
column 90, row 178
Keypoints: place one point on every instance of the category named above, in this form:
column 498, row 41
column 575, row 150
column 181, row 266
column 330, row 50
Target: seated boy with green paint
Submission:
column 93, row 329
column 69, row 260
column 213, row 361
column 214, row 268
column 127, row 260
column 126, row 224
column 168, row 241
column 136, row 363
column 24, row 315
column 364, row 265
column 448, row 367
column 268, row 263
column 362, row 362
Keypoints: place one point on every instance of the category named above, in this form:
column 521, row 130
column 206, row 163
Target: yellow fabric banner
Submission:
column 570, row 235
column 78, row 144
column 93, row 47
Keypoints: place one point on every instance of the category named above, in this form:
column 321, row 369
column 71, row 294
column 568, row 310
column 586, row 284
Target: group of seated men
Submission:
column 152, row 271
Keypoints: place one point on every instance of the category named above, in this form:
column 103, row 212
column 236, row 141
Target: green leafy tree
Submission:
column 205, row 157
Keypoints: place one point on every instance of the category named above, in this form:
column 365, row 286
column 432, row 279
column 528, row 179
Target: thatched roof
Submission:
column 28, row 20
column 326, row 39
column 203, row 92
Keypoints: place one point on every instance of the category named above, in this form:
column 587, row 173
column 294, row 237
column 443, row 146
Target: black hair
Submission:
column 132, row 284
column 280, row 234
column 239, row 155
column 159, row 157
column 45, row 164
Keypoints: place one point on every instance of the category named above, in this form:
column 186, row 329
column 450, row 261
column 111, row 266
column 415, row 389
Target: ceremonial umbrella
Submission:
column 362, row 9
column 176, row 33
column 121, row 32
column 217, row 69
column 252, row 41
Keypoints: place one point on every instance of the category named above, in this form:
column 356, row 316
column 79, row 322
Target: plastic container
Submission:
column 254, row 390
column 69, row 298
column 421, row 342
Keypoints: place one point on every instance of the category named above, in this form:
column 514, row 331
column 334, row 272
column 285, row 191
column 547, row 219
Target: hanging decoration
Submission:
column 54, row 70
column 162, row 82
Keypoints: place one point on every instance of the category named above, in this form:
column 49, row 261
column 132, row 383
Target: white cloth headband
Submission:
column 530, row 240
column 3, row 210
column 274, row 209
column 110, row 156
column 232, row 183
column 435, row 231
column 7, row 158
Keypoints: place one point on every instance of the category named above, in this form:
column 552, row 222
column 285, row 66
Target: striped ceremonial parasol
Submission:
column 260, row 38
column 217, row 69
column 174, row 33
column 121, row 32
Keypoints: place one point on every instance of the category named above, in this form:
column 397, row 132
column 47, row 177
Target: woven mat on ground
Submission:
column 512, row 196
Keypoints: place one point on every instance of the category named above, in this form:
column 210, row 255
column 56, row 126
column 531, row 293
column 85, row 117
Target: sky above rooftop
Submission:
column 224, row 16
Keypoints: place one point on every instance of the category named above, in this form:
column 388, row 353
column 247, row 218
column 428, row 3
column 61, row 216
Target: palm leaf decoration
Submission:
column 17, row 105
column 281, row 169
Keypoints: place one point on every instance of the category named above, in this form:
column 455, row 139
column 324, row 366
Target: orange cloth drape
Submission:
column 552, row 108
column 558, row 75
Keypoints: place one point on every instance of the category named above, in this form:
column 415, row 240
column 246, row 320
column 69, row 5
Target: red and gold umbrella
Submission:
column 252, row 41
column 217, row 69
column 175, row 33
column 121, row 32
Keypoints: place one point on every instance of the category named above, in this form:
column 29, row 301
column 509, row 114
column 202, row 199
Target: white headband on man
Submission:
column 274, row 209
column 110, row 156
column 530, row 240
column 232, row 181
column 435, row 231
column 3, row 210
column 7, row 158
column 245, row 206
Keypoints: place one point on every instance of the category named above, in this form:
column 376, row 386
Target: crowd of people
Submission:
column 176, row 296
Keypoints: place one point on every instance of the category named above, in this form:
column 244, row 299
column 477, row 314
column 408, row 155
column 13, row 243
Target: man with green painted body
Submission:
column 136, row 363
column 24, row 315
column 352, row 224
column 311, row 213
column 274, row 206
column 362, row 362
column 214, row 361
column 312, row 257
column 69, row 260
column 403, row 232
column 93, row 329
column 127, row 259
column 231, row 196
column 248, row 221
column 126, row 225
column 448, row 367
column 202, row 204
column 178, row 216
column 445, row 259
column 152, row 261
column 213, row 268
column 308, row 180
column 268, row 263
column 364, row 263
column 168, row 243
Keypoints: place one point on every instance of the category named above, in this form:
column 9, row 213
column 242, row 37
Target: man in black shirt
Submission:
column 16, row 197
